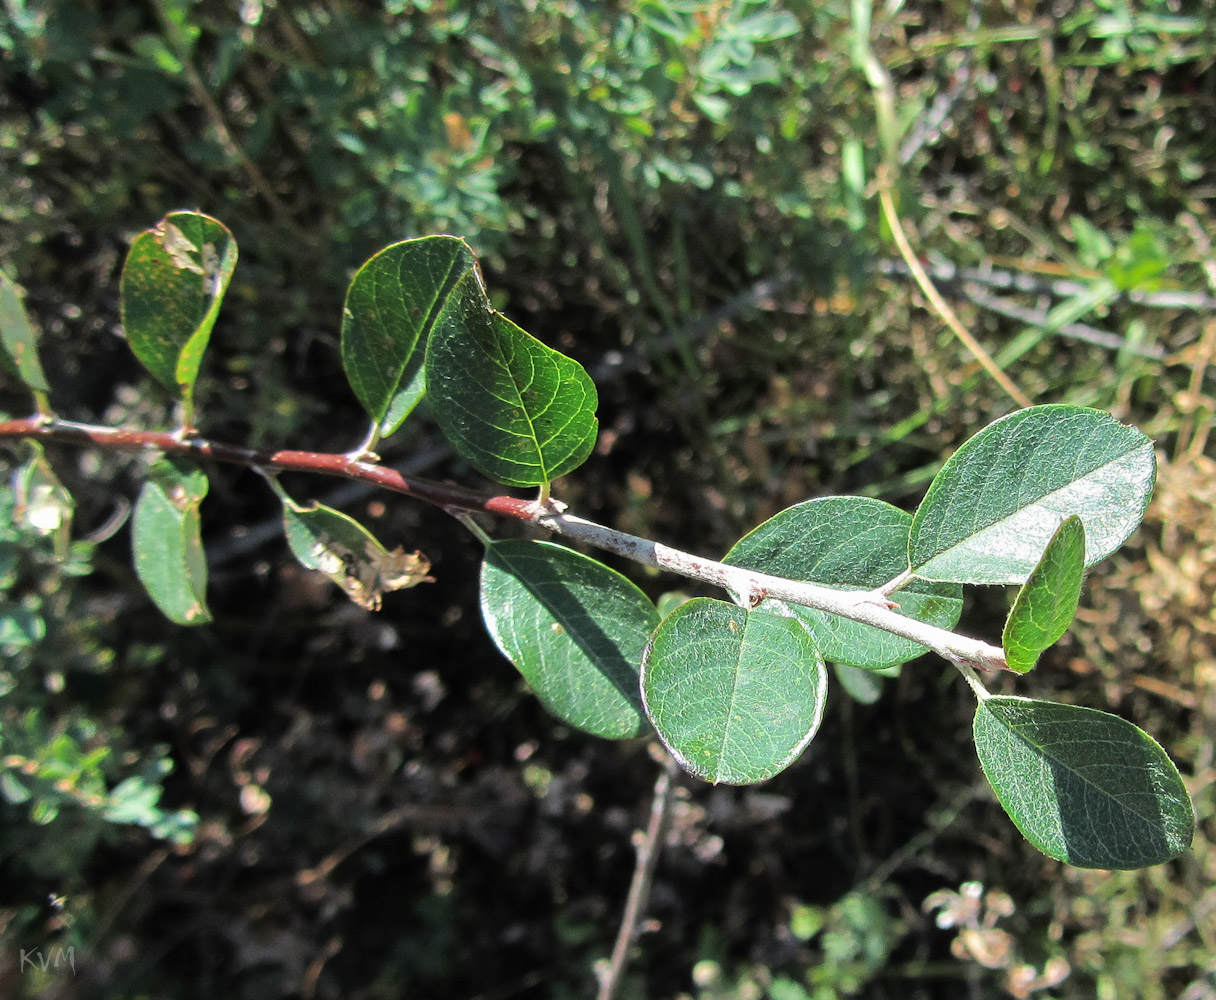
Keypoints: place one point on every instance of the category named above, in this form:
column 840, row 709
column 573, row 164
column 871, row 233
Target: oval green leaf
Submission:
column 863, row 686
column 735, row 695
column 574, row 629
column 518, row 410
column 335, row 544
column 166, row 540
column 391, row 305
column 173, row 282
column 19, row 338
column 1083, row 786
column 990, row 511
column 850, row 543
column 1047, row 602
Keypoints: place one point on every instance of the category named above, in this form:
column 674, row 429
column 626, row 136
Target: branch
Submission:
column 346, row 466
column 745, row 586
column 870, row 607
column 649, row 846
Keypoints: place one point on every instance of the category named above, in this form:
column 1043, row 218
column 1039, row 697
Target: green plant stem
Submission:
column 650, row 845
column 747, row 587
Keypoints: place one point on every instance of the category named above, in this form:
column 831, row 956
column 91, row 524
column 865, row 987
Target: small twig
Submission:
column 928, row 127
column 649, row 847
column 866, row 606
column 973, row 682
column 947, row 274
column 904, row 578
column 940, row 305
column 1075, row 331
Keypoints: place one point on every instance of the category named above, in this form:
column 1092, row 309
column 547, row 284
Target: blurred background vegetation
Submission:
column 304, row 799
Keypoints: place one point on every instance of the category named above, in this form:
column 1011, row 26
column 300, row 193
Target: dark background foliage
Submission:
column 680, row 196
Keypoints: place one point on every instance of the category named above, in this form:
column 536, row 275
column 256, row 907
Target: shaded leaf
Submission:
column 19, row 627
column 573, row 628
column 863, row 686
column 850, row 543
column 19, row 338
column 735, row 695
column 338, row 546
column 1083, row 786
column 41, row 504
column 670, row 600
column 1047, row 602
column 521, row 412
column 391, row 305
column 990, row 511
column 173, row 282
column 165, row 535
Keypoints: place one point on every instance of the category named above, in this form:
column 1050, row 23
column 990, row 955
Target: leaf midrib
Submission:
column 1038, row 748
column 734, row 687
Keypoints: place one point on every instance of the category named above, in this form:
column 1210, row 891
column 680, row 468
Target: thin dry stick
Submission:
column 649, row 848
column 940, row 305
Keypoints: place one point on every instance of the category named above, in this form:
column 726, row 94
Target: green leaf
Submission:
column 850, row 543
column 172, row 285
column 863, row 686
column 992, row 508
column 41, row 503
column 1083, row 786
column 673, row 24
column 165, row 536
column 1047, row 602
column 1141, row 262
column 338, row 546
column 574, row 628
column 1093, row 245
column 521, row 412
column 391, row 306
column 735, row 695
column 19, row 338
column 19, row 628
column 12, row 790
column 765, row 26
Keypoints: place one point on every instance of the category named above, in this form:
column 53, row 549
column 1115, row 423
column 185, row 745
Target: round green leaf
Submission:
column 1047, row 602
column 391, row 305
column 990, row 511
column 1083, row 786
column 521, row 412
column 574, row 628
column 172, row 285
column 850, row 543
column 19, row 338
column 166, row 540
column 735, row 695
